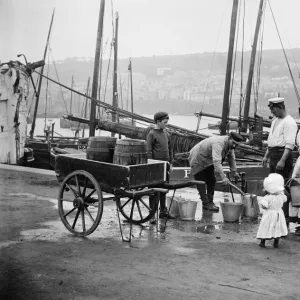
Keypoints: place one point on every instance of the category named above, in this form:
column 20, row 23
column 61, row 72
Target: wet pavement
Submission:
column 35, row 190
column 204, row 258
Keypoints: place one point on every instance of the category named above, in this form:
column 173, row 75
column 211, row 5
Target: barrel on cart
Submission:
column 101, row 148
column 130, row 152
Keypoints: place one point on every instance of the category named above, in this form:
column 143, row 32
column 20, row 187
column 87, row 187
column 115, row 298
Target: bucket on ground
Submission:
column 295, row 192
column 231, row 211
column 250, row 208
column 101, row 148
column 187, row 209
column 130, row 152
column 173, row 209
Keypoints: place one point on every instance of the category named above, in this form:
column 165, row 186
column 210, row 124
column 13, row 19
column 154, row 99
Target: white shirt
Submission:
column 283, row 133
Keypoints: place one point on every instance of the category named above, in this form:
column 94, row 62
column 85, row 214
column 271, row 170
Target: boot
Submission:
column 152, row 206
column 262, row 243
column 276, row 243
column 163, row 213
column 209, row 204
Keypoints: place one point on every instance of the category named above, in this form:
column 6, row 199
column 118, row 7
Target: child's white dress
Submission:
column 273, row 223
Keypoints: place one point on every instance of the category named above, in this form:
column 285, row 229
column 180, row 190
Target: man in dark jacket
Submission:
column 206, row 158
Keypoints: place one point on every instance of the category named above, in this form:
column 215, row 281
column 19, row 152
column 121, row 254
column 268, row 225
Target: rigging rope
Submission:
column 212, row 62
column 293, row 80
column 47, row 85
column 61, row 91
column 108, row 67
column 295, row 61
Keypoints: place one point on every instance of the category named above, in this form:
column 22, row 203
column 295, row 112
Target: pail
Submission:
column 174, row 209
column 231, row 211
column 295, row 192
column 101, row 148
column 187, row 209
column 251, row 208
column 130, row 152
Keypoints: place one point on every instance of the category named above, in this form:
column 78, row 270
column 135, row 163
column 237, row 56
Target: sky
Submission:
column 146, row 27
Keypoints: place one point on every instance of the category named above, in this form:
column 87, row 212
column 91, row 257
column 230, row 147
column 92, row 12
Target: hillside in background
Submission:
column 177, row 83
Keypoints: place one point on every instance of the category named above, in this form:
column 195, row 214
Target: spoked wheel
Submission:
column 138, row 209
column 80, row 203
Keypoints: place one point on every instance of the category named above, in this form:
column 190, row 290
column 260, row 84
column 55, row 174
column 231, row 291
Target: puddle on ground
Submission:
column 194, row 227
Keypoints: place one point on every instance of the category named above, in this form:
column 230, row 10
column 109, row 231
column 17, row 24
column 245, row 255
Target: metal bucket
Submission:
column 187, row 209
column 174, row 209
column 251, row 208
column 295, row 192
column 231, row 211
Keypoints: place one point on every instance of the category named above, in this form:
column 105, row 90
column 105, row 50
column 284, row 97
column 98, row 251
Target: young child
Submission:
column 159, row 147
column 272, row 224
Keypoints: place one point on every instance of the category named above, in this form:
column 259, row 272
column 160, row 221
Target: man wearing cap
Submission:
column 206, row 158
column 159, row 147
column 281, row 142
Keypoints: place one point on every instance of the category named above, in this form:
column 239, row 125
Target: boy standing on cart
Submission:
column 159, row 147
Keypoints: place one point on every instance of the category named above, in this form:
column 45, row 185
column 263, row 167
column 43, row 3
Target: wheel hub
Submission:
column 78, row 202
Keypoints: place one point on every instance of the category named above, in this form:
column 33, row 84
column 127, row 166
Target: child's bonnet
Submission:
column 274, row 183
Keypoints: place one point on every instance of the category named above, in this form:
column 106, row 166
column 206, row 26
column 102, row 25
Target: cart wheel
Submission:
column 141, row 208
column 80, row 203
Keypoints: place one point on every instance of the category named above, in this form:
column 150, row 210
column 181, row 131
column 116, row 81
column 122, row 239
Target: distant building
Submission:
column 176, row 93
column 161, row 71
column 163, row 94
column 187, row 95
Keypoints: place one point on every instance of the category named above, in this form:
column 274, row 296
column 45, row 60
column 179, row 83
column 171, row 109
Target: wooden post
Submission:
column 251, row 68
column 115, row 84
column 71, row 99
column 131, row 87
column 225, row 110
column 96, row 69
column 40, row 81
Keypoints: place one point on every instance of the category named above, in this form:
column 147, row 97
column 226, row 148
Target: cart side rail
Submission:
column 104, row 173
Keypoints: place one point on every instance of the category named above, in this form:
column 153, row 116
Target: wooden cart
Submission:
column 87, row 184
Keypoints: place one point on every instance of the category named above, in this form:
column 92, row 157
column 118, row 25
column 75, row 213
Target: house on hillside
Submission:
column 176, row 92
column 163, row 71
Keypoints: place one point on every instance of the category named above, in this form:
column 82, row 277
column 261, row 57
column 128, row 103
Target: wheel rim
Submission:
column 80, row 203
column 138, row 210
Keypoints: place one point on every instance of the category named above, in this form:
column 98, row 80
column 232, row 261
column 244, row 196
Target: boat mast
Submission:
column 115, row 86
column 96, row 70
column 131, row 88
column 225, row 110
column 251, row 68
column 40, row 81
column 71, row 99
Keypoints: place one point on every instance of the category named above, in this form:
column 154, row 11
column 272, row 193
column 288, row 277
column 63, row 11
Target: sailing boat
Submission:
column 182, row 139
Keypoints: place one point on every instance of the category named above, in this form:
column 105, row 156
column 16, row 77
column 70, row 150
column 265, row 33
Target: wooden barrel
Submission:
column 130, row 152
column 101, row 148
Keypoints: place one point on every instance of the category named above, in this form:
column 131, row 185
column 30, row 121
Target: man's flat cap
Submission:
column 160, row 116
column 236, row 137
